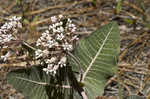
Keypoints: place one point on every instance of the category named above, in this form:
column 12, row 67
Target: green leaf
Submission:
column 94, row 2
column 98, row 57
column 26, row 21
column 129, row 21
column 118, row 8
column 36, row 84
column 18, row 2
column 35, row 18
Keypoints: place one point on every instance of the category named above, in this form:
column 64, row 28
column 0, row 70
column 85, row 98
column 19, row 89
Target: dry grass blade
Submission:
column 137, row 8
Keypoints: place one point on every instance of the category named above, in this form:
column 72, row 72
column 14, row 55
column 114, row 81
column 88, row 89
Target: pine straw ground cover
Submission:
column 133, row 20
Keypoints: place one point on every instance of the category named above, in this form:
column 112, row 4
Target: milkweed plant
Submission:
column 91, row 60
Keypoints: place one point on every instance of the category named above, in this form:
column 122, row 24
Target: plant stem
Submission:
column 79, row 64
column 26, row 44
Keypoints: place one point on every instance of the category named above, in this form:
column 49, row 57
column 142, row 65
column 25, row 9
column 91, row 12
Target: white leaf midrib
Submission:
column 94, row 59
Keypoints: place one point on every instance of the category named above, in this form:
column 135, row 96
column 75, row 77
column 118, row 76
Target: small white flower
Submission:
column 52, row 60
column 38, row 53
column 19, row 25
column 57, row 24
column 55, row 67
column 73, row 30
column 60, row 29
column 8, row 54
column 62, row 61
column 15, row 18
column 50, row 27
column 45, row 52
column 53, row 19
column 47, row 32
column 60, row 36
column 38, row 42
column 51, row 68
column 60, row 23
column 54, row 30
column 5, row 47
column 69, row 20
column 51, row 43
column 67, row 46
column 11, row 97
column 71, row 25
column 46, row 70
column 60, row 16
column 4, row 58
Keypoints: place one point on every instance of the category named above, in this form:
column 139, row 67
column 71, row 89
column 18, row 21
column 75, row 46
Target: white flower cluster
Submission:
column 60, row 37
column 7, row 30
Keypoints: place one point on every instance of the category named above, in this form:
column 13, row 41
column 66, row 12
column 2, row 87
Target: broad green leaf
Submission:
column 98, row 58
column 32, row 83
